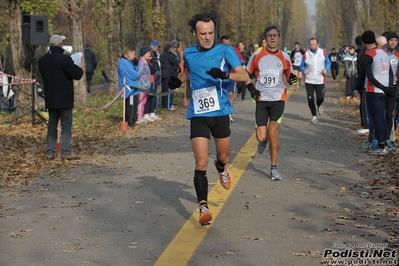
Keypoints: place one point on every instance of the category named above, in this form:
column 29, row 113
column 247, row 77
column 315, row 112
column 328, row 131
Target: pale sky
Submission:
column 311, row 6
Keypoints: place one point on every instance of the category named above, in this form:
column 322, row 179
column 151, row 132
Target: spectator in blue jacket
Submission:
column 128, row 77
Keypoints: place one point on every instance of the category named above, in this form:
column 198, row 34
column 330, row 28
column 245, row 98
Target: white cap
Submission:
column 56, row 39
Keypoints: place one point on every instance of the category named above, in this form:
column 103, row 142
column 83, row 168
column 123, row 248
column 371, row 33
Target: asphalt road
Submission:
column 138, row 207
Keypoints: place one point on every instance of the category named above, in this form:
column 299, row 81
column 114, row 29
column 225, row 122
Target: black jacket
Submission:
column 360, row 52
column 169, row 65
column 360, row 79
column 58, row 72
column 293, row 52
column 337, row 58
column 91, row 61
column 156, row 65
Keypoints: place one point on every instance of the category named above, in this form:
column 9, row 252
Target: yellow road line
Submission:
column 183, row 245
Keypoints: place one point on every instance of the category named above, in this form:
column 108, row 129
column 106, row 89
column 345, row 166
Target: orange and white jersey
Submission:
column 379, row 68
column 269, row 69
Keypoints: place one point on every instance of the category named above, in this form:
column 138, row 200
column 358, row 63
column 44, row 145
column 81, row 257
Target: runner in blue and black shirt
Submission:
column 208, row 66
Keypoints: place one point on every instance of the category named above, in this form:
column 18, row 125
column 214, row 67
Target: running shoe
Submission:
column 224, row 178
column 205, row 214
column 390, row 145
column 274, row 175
column 141, row 121
column 314, row 120
column 50, row 156
column 375, row 144
column 263, row 146
column 147, row 118
column 378, row 151
column 154, row 116
column 320, row 109
column 367, row 145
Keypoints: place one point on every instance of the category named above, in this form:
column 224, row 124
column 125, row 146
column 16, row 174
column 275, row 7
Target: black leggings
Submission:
column 310, row 90
column 151, row 100
column 334, row 70
column 376, row 105
column 149, row 106
column 131, row 110
column 167, row 100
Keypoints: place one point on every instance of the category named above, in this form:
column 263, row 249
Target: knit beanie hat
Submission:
column 144, row 50
column 392, row 35
column 368, row 37
column 358, row 40
column 167, row 46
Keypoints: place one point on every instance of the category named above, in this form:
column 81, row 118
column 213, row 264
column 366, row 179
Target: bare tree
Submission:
column 21, row 55
column 4, row 28
column 73, row 10
column 113, row 27
column 139, row 21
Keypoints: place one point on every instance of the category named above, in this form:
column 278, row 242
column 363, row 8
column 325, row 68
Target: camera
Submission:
column 40, row 90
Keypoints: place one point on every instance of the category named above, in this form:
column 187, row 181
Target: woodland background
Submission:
column 110, row 25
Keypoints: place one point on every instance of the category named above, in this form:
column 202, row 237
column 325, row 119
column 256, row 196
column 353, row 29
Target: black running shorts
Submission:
column 269, row 110
column 218, row 126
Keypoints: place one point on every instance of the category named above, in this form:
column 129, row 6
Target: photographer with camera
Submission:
column 58, row 72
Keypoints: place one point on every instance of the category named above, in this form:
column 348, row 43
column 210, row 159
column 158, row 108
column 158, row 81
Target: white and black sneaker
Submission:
column 314, row 120
column 378, row 151
column 320, row 109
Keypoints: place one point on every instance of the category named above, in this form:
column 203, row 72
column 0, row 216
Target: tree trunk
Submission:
column 158, row 19
column 75, row 26
column 21, row 57
column 138, row 17
column 114, row 20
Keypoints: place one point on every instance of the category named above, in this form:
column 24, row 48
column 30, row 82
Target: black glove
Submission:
column 135, row 61
column 174, row 82
column 218, row 73
column 293, row 79
column 255, row 94
column 389, row 92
